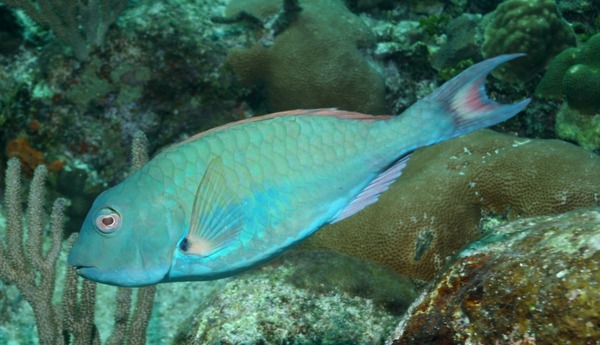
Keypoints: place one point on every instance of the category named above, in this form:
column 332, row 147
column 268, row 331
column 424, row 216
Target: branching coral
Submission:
column 534, row 27
column 438, row 204
column 26, row 266
column 33, row 269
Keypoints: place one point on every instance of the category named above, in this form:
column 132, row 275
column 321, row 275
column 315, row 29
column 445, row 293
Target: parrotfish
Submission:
column 236, row 196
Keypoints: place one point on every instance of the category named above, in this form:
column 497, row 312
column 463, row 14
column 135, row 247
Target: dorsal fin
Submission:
column 342, row 114
column 371, row 193
column 217, row 215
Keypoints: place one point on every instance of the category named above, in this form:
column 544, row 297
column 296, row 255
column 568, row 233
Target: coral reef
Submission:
column 551, row 85
column 141, row 80
column 325, row 272
column 534, row 27
column 287, row 302
column 448, row 191
column 581, row 85
column 532, row 281
column 162, row 68
column 315, row 62
column 84, row 114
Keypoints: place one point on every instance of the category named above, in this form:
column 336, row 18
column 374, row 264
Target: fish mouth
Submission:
column 94, row 274
column 121, row 278
column 85, row 271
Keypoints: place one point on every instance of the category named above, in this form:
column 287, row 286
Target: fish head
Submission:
column 127, row 239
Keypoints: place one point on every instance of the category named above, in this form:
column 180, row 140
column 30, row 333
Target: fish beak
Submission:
column 123, row 278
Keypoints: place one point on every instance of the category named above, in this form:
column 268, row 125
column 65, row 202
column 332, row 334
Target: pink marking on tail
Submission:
column 470, row 101
column 475, row 100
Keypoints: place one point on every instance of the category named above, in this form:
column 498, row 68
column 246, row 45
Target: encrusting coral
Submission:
column 534, row 27
column 579, row 127
column 315, row 62
column 438, row 204
column 29, row 157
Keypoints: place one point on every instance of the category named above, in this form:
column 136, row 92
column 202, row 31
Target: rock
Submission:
column 304, row 298
column 532, row 281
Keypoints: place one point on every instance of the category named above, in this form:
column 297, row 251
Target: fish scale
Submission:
column 233, row 197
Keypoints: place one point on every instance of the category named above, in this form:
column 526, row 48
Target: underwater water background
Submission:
column 80, row 79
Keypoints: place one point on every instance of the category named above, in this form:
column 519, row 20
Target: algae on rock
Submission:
column 531, row 281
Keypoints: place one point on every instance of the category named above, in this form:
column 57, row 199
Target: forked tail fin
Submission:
column 459, row 106
column 463, row 99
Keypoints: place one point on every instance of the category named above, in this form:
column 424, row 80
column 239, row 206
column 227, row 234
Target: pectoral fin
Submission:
column 216, row 215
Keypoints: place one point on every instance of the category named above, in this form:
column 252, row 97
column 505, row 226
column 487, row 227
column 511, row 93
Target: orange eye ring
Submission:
column 107, row 220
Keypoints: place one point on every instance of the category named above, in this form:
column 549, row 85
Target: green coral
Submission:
column 534, row 27
column 315, row 62
column 581, row 85
column 550, row 86
column 575, row 74
column 450, row 72
column 573, row 125
column 434, row 25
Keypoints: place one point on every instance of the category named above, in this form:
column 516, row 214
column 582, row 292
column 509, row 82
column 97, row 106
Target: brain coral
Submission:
column 532, row 281
column 534, row 27
column 315, row 62
column 437, row 205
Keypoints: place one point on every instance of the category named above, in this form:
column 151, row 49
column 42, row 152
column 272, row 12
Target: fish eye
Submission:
column 108, row 220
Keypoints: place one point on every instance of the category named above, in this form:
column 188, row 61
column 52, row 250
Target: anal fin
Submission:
column 373, row 190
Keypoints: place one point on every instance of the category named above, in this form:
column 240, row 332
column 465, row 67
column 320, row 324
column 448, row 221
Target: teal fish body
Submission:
column 233, row 197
